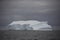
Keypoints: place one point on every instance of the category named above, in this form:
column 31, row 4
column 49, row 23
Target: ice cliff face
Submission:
column 29, row 25
column 20, row 27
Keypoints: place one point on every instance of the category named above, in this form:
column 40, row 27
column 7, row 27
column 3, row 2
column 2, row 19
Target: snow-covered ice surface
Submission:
column 29, row 25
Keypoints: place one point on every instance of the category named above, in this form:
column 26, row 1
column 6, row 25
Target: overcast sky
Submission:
column 42, row 10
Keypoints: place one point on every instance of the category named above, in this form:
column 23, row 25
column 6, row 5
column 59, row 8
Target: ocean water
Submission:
column 29, row 35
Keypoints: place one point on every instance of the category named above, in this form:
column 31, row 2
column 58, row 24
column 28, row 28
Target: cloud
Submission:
column 29, row 6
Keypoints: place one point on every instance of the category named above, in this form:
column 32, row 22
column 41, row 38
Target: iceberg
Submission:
column 29, row 25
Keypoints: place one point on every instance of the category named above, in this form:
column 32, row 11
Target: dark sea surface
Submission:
column 29, row 35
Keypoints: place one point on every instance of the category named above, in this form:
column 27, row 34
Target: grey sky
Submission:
column 42, row 10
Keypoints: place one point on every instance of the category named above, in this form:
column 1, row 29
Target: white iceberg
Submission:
column 29, row 25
